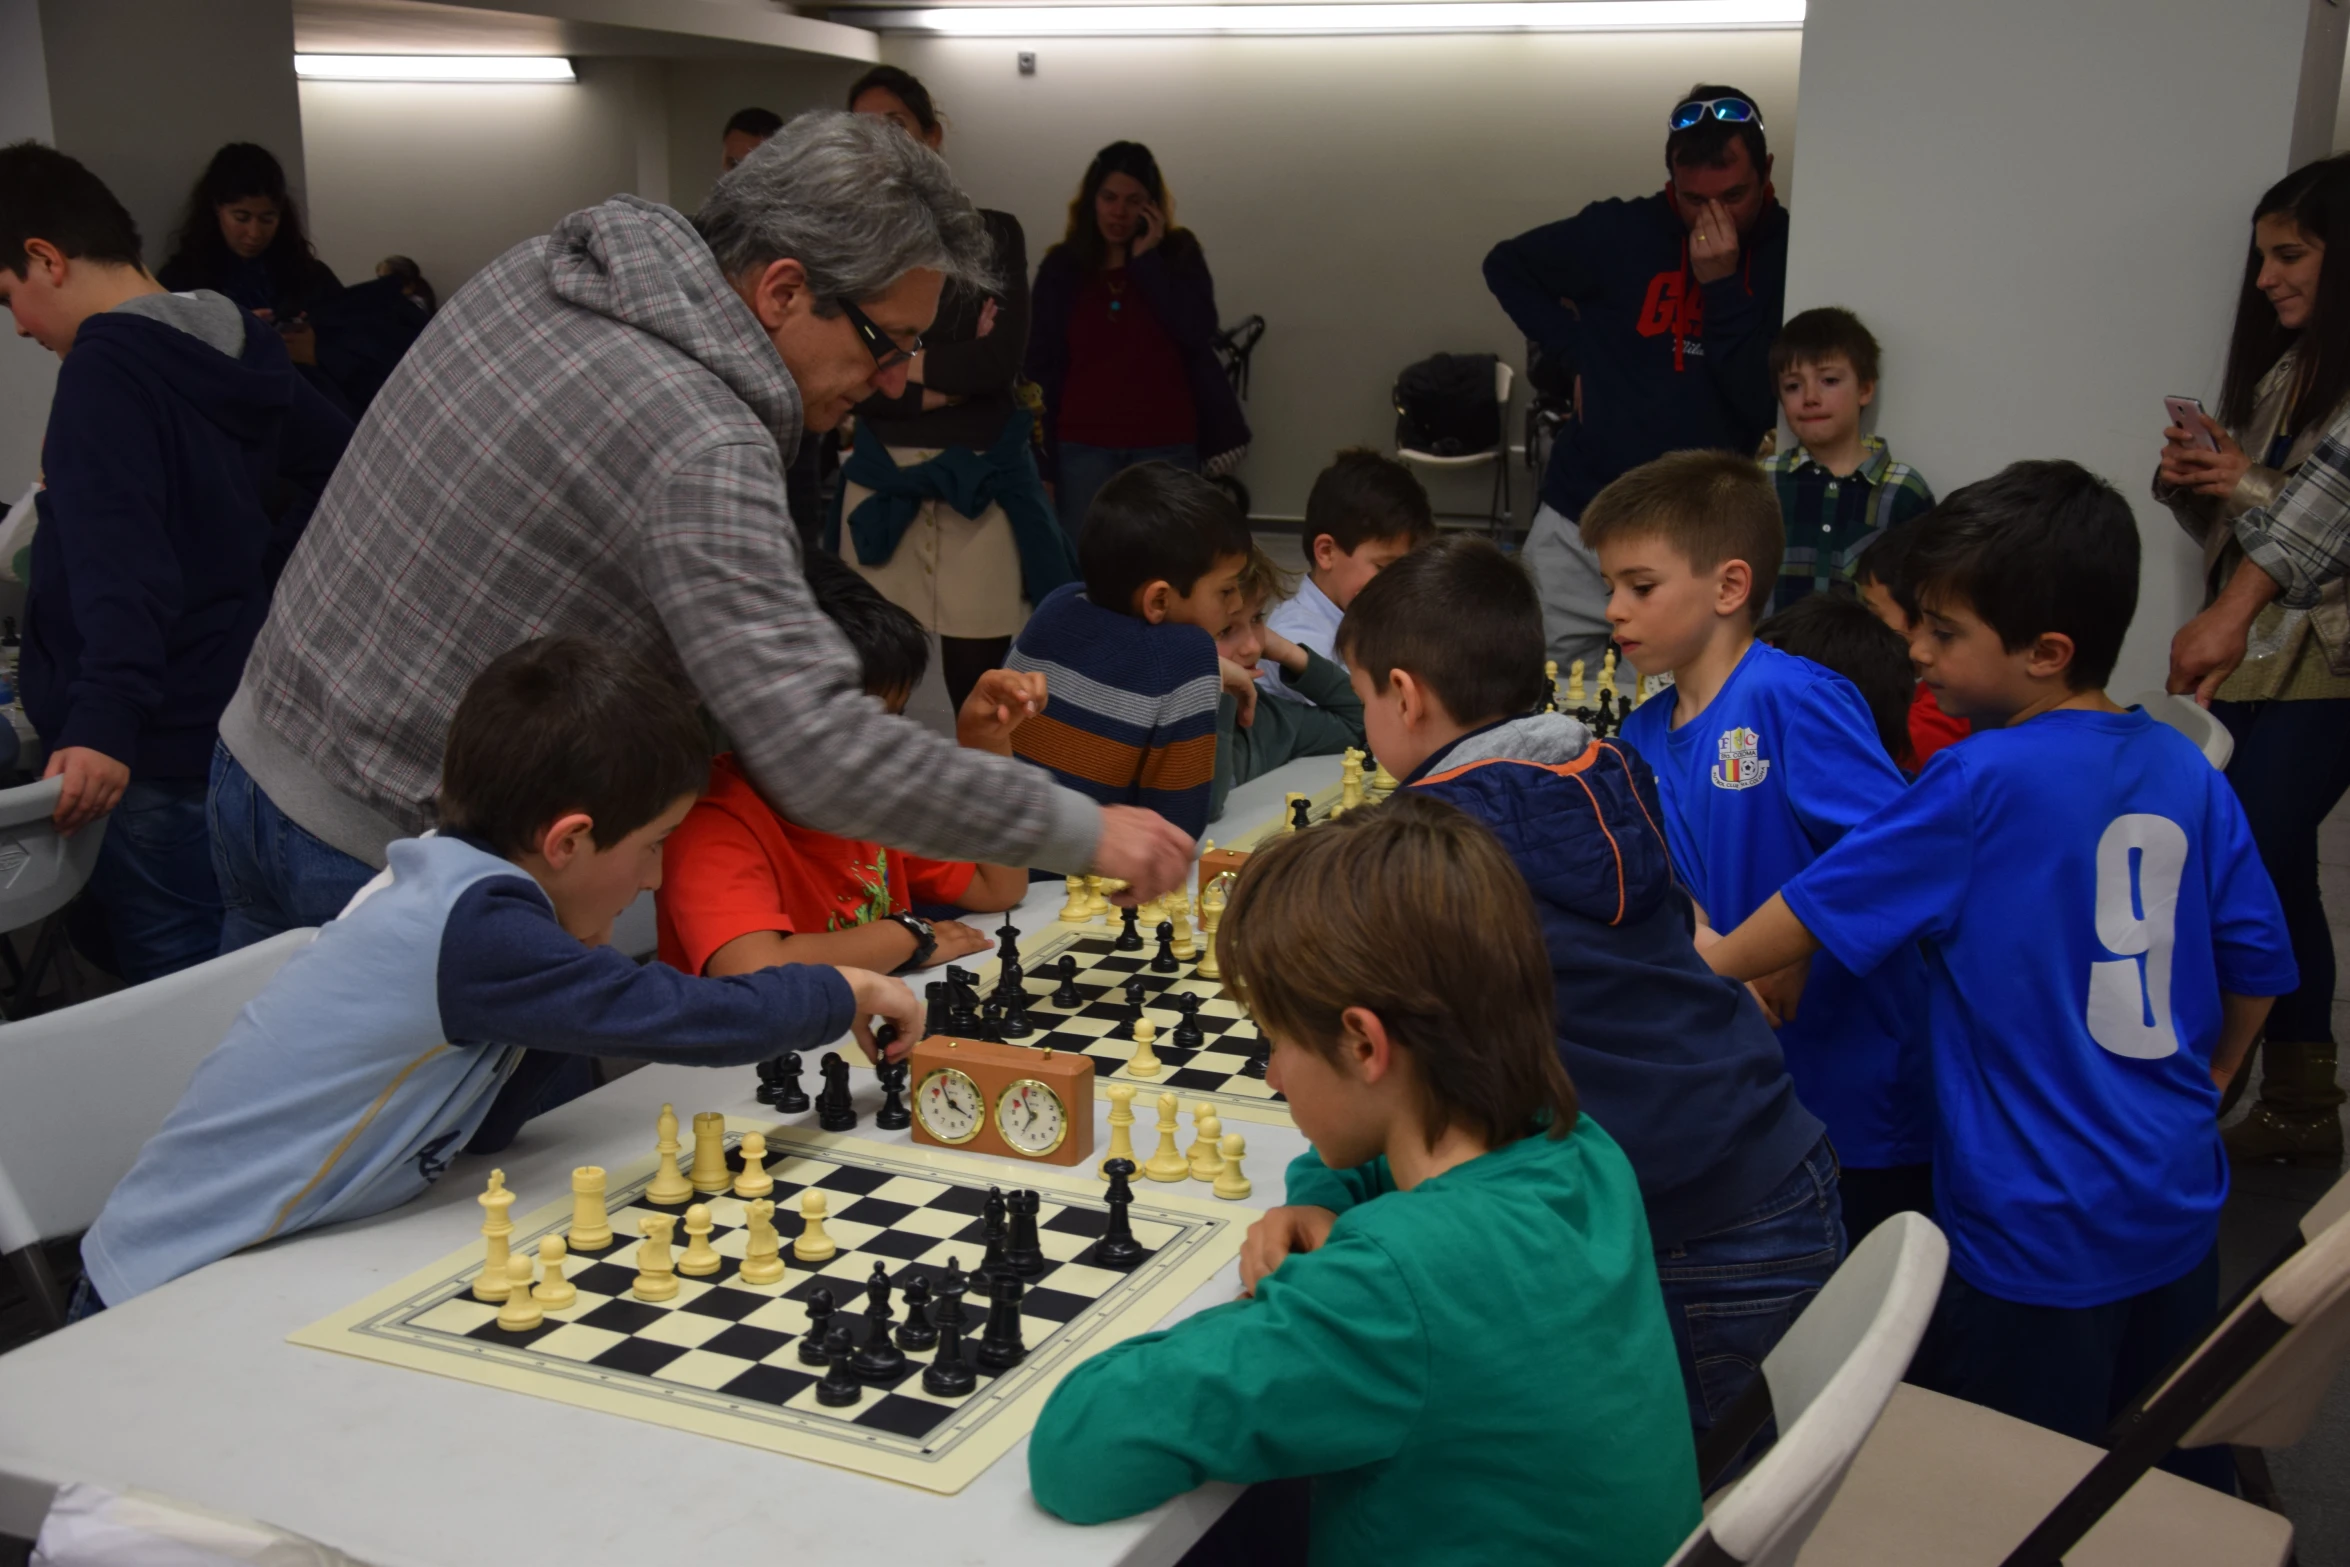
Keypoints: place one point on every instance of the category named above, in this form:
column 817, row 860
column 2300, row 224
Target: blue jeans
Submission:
column 1085, row 469
column 2071, row 1369
column 153, row 882
column 2291, row 766
column 274, row 876
column 1732, row 1294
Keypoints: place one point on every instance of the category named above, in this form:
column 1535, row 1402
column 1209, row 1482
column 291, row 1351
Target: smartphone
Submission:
column 2179, row 409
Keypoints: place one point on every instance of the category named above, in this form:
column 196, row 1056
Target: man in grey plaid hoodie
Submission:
column 591, row 439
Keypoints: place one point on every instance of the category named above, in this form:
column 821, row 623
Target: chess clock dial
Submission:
column 1030, row 1117
column 951, row 1106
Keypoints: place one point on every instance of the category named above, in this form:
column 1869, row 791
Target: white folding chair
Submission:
column 1947, row 1482
column 2192, row 719
column 1498, row 454
column 40, row 871
column 1826, row 1382
column 83, row 1088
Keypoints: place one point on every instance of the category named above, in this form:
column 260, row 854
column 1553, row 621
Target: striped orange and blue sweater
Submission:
column 1130, row 708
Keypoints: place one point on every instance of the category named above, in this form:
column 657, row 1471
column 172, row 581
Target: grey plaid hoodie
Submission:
column 586, row 441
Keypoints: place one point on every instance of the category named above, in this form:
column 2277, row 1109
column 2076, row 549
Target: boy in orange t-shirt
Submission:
column 745, row 889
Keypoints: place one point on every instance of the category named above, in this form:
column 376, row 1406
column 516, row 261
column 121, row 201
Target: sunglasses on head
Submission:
column 1730, row 111
column 887, row 355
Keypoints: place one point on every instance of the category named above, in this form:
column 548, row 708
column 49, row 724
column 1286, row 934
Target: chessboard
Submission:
column 722, row 1357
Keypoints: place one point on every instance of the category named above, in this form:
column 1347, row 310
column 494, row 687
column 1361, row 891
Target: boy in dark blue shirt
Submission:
column 1763, row 760
column 182, row 457
column 2104, row 944
column 1445, row 650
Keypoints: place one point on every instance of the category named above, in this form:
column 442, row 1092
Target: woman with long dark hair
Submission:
column 1124, row 339
column 241, row 234
column 2278, row 677
column 945, row 513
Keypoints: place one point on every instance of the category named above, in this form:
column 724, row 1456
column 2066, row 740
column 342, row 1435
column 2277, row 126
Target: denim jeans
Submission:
column 273, row 875
column 2291, row 766
column 153, row 882
column 1085, row 469
column 1732, row 1294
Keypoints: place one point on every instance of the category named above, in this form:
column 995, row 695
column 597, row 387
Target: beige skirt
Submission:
column 958, row 575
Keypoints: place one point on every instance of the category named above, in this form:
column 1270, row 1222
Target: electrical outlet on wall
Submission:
column 1027, row 62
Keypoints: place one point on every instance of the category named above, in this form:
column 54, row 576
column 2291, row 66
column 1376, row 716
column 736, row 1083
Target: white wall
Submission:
column 2043, row 261
column 704, row 94
column 455, row 174
column 27, row 371
column 1346, row 189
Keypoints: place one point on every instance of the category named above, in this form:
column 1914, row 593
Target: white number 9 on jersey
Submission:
column 2140, row 859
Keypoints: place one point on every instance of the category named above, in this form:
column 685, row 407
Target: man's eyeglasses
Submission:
column 887, row 355
column 1731, row 111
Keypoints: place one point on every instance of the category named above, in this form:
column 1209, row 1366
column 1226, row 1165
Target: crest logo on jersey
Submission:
column 1736, row 765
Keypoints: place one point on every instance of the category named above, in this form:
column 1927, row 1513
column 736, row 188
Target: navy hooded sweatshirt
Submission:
column 1668, row 364
column 178, row 476
column 1676, row 1062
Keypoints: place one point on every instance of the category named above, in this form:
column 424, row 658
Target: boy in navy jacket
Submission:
column 182, row 457
column 435, row 1006
column 1445, row 649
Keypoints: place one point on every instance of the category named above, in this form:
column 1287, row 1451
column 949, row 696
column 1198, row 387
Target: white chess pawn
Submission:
column 763, row 1253
column 1206, row 1161
column 1186, row 949
column 1144, row 1062
column 1231, row 1185
column 554, row 1291
column 701, row 1258
column 1077, row 908
column 754, row 1181
column 520, row 1313
column 656, row 1277
column 812, row 1244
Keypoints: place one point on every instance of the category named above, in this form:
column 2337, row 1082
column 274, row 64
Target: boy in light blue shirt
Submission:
column 443, row 1002
column 2103, row 946
column 1763, row 760
column 1365, row 512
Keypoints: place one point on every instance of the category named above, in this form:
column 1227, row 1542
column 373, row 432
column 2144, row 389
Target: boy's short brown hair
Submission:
column 1412, row 910
column 1710, row 506
column 564, row 724
column 1815, row 335
column 1264, row 579
column 1462, row 618
column 1365, row 495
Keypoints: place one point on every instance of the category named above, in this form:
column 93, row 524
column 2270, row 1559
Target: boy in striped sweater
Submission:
column 1129, row 655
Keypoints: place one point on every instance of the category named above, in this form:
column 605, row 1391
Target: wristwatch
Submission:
column 925, row 941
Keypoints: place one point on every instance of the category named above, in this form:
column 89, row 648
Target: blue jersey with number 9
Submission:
column 2086, row 887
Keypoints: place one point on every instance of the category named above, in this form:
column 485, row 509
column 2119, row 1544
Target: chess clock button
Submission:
column 951, row 1106
column 1031, row 1117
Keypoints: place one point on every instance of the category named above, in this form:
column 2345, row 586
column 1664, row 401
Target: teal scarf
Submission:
column 968, row 482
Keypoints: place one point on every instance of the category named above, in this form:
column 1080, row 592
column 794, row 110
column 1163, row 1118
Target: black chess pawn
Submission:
column 1136, row 993
column 1013, row 1022
column 991, row 1021
column 917, row 1332
column 991, row 1234
column 770, row 1076
column 1000, row 1348
column 834, row 1110
column 1068, row 996
column 819, row 1310
column 1260, row 1051
column 1607, row 711
column 1118, row 1249
column 949, row 1374
column 877, row 1359
column 1129, row 934
column 1301, row 815
column 1022, row 1253
column 790, row 1097
column 1164, row 962
column 893, row 1115
column 1188, row 1034
column 840, row 1386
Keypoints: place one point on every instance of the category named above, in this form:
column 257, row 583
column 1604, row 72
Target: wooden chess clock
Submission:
column 1010, row 1100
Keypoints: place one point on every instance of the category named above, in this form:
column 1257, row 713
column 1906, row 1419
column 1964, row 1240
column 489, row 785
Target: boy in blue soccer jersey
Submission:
column 1763, row 760
column 2103, row 946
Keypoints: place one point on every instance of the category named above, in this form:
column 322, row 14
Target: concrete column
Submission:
column 2042, row 212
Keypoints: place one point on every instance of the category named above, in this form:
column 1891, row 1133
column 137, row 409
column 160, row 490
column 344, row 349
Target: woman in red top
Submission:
column 1122, row 339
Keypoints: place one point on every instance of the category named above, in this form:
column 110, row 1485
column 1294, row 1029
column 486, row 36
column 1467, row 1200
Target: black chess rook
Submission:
column 1022, row 1253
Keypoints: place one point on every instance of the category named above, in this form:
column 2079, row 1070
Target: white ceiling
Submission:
column 662, row 28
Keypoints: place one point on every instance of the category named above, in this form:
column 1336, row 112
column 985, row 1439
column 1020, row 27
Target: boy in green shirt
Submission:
column 1456, row 1328
column 1253, row 737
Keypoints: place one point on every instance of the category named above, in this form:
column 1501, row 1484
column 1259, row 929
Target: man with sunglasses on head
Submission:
column 1665, row 306
column 591, row 439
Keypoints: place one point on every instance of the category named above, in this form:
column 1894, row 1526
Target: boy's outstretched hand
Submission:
column 1280, row 1232
column 892, row 1000
column 1001, row 702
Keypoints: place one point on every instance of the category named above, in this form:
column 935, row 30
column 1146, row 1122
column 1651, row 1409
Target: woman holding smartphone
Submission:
column 1123, row 340
column 2278, row 677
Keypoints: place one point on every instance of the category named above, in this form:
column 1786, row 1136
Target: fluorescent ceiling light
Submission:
column 1442, row 16
column 433, row 68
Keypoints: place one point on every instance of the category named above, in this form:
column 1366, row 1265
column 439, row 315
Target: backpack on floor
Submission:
column 1444, row 406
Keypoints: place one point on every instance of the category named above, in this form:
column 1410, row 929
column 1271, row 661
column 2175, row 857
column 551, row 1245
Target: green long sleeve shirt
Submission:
column 1283, row 730
column 1476, row 1371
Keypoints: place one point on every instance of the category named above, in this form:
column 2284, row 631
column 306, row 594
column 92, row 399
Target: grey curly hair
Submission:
column 856, row 201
